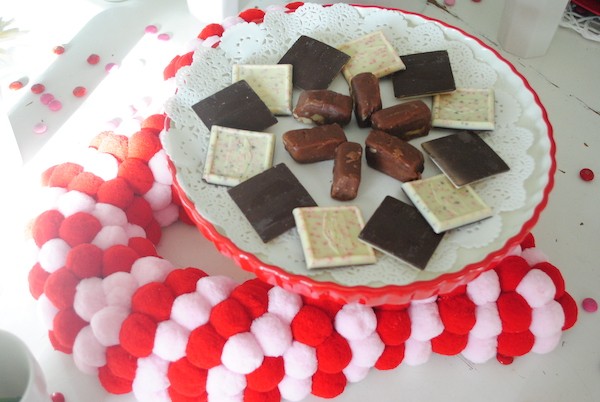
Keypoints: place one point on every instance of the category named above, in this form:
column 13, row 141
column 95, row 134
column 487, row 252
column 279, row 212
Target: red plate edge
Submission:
column 388, row 294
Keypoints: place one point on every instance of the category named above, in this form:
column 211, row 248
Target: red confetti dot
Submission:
column 38, row 88
column 58, row 397
column 15, row 85
column 590, row 305
column 586, row 174
column 79, row 91
column 93, row 59
column 58, row 49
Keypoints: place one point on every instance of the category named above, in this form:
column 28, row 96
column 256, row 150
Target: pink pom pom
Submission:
column 537, row 288
column 170, row 341
column 425, row 320
column 488, row 323
column 355, row 373
column 533, row 256
column 89, row 298
column 485, row 288
column 547, row 320
column 110, row 236
column 53, row 255
column 103, row 165
column 75, row 201
column 159, row 166
column 546, row 344
column 191, row 310
column 119, row 288
column 150, row 378
column 84, row 368
column 106, row 324
column 416, row 352
column 355, row 321
column 480, row 350
column 365, row 352
column 167, row 215
column 222, row 382
column 284, row 304
column 151, row 269
column 273, row 334
column 109, row 215
column 294, row 389
column 230, row 21
column 215, row 288
column 242, row 354
column 88, row 350
column 132, row 230
column 300, row 361
column 159, row 196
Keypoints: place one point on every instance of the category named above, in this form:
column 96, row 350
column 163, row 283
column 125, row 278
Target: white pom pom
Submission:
column 132, row 230
column 215, row 288
column 88, row 350
column 487, row 321
column 46, row 311
column 480, row 350
column 284, row 304
column 109, row 215
column 53, row 255
column 170, row 341
column 547, row 320
column 537, row 288
column 167, row 215
column 355, row 373
column 48, row 199
column 159, row 166
column 228, row 22
column 533, row 256
column 242, row 354
column 355, row 321
column 485, row 288
column 84, row 368
column 300, row 360
column 223, row 382
column 428, row 300
column 425, row 320
column 159, row 196
column 89, row 298
column 273, row 335
column 211, row 40
column 110, row 236
column 416, row 352
column 75, row 201
column 365, row 352
column 106, row 324
column 225, row 398
column 151, row 269
column 150, row 377
column 119, row 288
column 295, row 389
column 101, row 164
column 546, row 344
column 191, row 310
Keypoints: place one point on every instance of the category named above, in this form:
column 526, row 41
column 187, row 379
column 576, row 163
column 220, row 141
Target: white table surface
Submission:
column 568, row 232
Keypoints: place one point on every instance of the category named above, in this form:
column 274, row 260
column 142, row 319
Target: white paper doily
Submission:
column 521, row 138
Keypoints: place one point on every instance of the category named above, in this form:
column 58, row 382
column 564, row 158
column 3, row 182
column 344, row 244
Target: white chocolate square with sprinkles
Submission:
column 371, row 53
column 329, row 236
column 272, row 83
column 467, row 109
column 443, row 205
column 234, row 155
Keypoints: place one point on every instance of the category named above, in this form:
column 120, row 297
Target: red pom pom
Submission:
column 182, row 281
column 230, row 317
column 327, row 385
column 268, row 376
column 187, row 379
column 153, row 299
column 528, row 241
column 252, row 15
column 98, row 138
column 211, row 30
column 449, row 344
column 120, row 362
column 63, row 174
column 457, row 313
column 393, row 326
column 139, row 212
column 555, row 275
column 514, row 311
column 515, row 344
column 175, row 396
column 570, row 309
column 184, row 217
column 204, row 347
column 37, row 280
column 334, row 354
column 253, row 296
column 116, row 145
column 155, row 122
column 153, row 231
column 511, row 271
column 328, row 306
column 85, row 261
column 112, row 383
column 116, row 192
column 87, row 183
column 171, row 68
column 143, row 246
column 138, row 175
column 294, row 5
column 57, row 345
column 79, row 228
column 311, row 326
column 60, row 288
column 46, row 226
column 118, row 258
column 185, row 60
column 144, row 145
column 67, row 325
column 137, row 335
column 391, row 357
column 251, row 395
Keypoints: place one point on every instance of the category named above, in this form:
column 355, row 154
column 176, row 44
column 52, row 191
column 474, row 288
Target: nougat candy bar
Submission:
column 346, row 171
column 367, row 97
column 393, row 156
column 308, row 145
column 406, row 120
column 322, row 106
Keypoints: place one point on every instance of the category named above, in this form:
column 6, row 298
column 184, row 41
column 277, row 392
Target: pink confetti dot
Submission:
column 586, row 174
column 58, row 49
column 38, row 88
column 152, row 29
column 110, row 67
column 46, row 98
column 79, row 91
column 57, row 397
column 163, row 36
column 55, row 105
column 93, row 59
column 449, row 2
column 590, row 305
column 40, row 128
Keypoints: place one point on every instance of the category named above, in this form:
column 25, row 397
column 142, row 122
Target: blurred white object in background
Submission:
column 213, row 10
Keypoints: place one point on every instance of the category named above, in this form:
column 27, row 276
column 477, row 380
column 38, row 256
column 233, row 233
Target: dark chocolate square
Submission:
column 268, row 199
column 400, row 230
column 426, row 74
column 315, row 64
column 236, row 106
column 464, row 157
